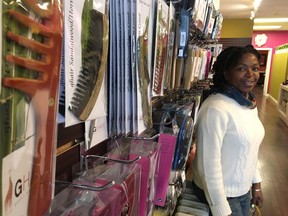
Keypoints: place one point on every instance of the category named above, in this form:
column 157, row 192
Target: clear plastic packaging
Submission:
column 184, row 140
column 31, row 51
column 148, row 150
column 75, row 201
column 126, row 178
column 145, row 152
column 167, row 146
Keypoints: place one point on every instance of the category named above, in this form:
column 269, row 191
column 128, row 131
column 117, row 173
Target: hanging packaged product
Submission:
column 127, row 75
column 125, row 177
column 108, row 187
column 217, row 26
column 85, row 23
column 86, row 201
column 167, row 147
column 144, row 34
column 120, row 66
column 31, row 49
column 148, row 150
column 183, row 33
column 170, row 47
column 161, row 44
column 144, row 152
column 133, row 67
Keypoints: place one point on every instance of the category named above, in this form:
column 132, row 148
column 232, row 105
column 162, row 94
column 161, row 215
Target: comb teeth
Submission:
column 157, row 74
column 160, row 60
column 62, row 102
column 81, row 96
column 42, row 91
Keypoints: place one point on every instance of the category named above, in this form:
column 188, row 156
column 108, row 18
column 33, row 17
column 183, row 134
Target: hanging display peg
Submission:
column 86, row 187
column 110, row 159
column 144, row 138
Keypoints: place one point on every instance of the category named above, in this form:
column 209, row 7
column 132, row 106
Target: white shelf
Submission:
column 285, row 87
column 283, row 103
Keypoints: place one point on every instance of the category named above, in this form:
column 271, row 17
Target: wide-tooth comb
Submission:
column 94, row 58
column 43, row 93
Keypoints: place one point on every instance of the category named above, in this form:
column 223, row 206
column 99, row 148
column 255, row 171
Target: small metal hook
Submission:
column 114, row 160
column 86, row 187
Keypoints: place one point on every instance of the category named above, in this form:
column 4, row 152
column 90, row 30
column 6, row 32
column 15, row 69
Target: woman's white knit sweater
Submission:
column 228, row 138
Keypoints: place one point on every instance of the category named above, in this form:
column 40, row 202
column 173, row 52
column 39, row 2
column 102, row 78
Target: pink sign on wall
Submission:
column 274, row 39
column 269, row 40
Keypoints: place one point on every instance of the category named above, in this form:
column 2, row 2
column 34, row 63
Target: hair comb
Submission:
column 94, row 41
column 13, row 105
column 42, row 90
column 161, row 52
column 144, row 78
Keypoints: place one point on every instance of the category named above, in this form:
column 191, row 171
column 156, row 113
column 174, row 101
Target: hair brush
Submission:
column 94, row 41
column 42, row 91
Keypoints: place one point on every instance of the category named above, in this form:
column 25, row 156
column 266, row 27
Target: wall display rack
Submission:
column 116, row 92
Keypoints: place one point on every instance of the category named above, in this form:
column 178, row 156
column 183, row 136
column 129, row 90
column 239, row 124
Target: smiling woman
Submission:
column 228, row 135
column 236, row 61
column 245, row 74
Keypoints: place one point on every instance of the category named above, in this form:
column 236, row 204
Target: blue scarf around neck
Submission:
column 235, row 94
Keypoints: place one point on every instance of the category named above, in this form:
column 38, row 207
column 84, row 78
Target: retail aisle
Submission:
column 273, row 158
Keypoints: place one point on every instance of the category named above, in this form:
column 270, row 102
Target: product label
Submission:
column 16, row 180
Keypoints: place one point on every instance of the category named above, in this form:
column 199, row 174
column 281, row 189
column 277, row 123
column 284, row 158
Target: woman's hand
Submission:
column 257, row 197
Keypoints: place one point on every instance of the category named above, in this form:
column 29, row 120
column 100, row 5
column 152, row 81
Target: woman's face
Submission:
column 245, row 74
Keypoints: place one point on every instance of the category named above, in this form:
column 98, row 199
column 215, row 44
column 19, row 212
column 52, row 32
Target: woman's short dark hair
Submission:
column 228, row 59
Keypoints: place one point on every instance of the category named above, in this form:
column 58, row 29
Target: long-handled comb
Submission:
column 43, row 92
column 159, row 65
column 94, row 41
column 162, row 39
column 12, row 102
column 144, row 78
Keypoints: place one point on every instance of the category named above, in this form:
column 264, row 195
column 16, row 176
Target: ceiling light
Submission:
column 265, row 20
column 257, row 4
column 266, row 27
column 252, row 14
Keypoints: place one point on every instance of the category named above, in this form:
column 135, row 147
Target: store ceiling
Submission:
column 235, row 9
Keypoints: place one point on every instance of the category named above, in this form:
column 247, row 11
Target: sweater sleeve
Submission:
column 257, row 177
column 210, row 131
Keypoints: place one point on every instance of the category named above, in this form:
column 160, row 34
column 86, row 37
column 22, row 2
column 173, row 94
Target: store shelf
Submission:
column 283, row 103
